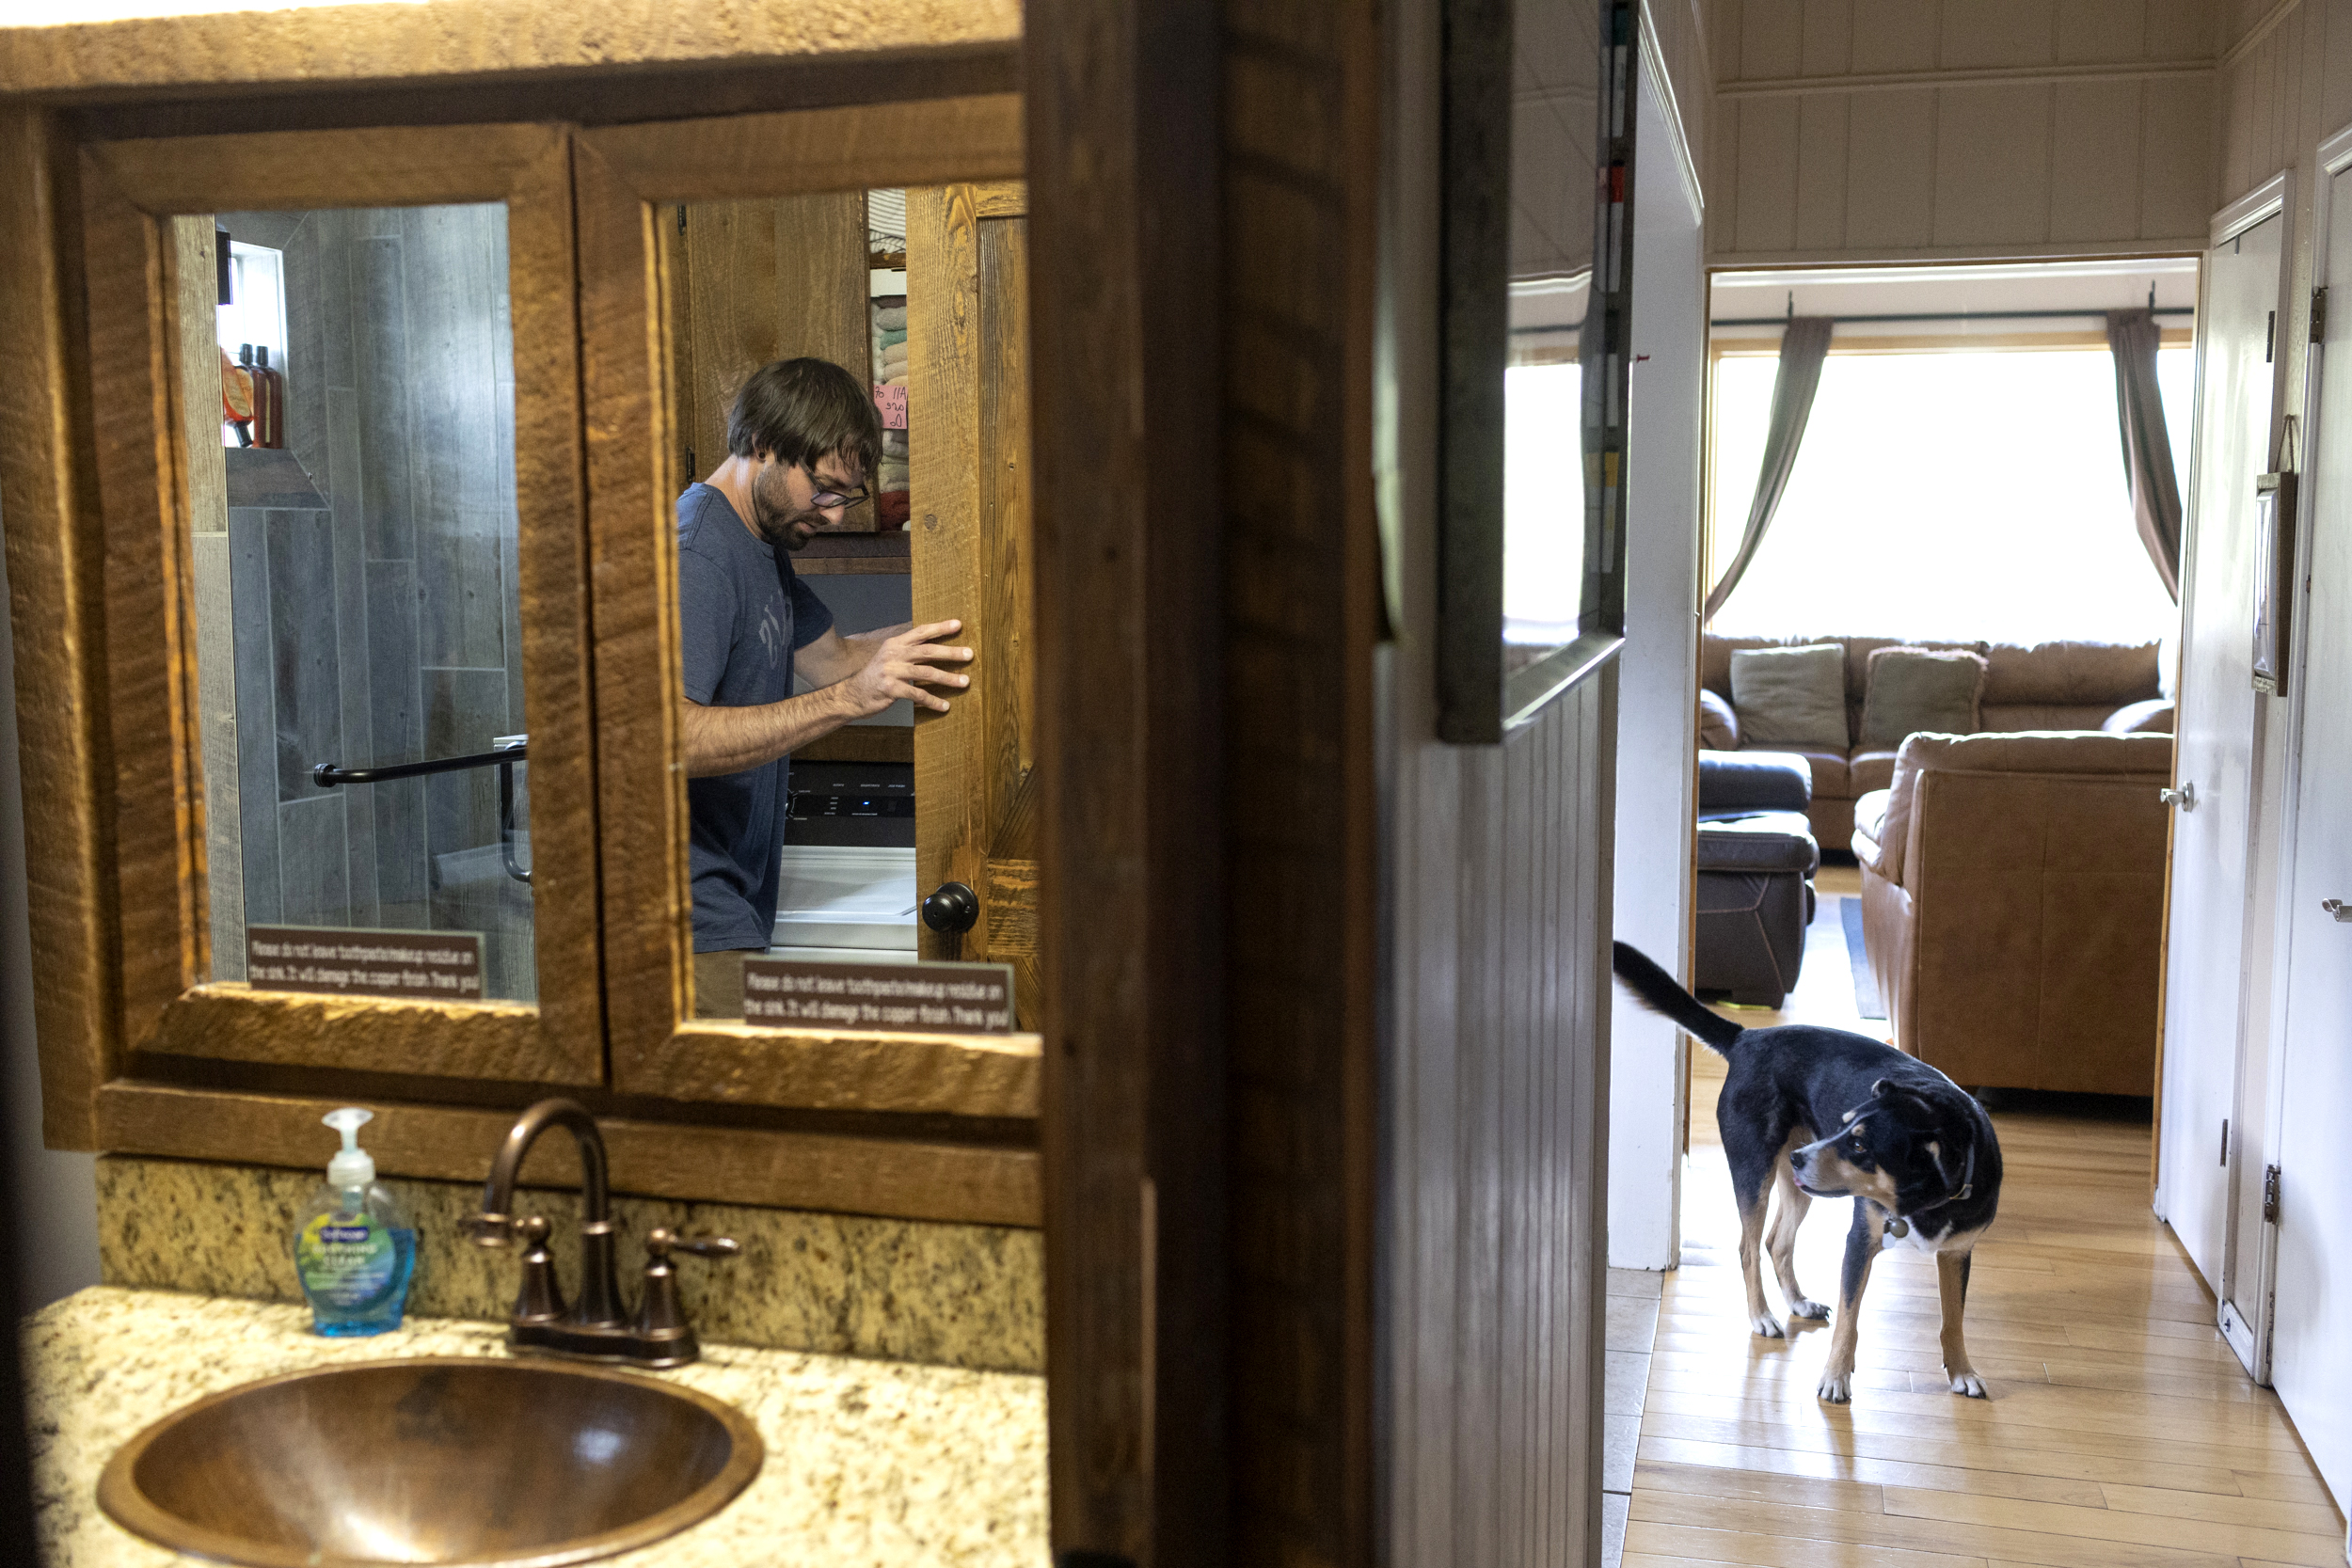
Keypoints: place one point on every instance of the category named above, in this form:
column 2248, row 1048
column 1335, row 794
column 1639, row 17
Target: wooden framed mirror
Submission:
column 372, row 590
column 652, row 380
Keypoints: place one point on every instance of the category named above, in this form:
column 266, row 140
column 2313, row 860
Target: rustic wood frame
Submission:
column 624, row 174
column 130, row 190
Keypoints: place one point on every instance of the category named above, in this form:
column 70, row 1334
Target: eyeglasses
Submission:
column 825, row 501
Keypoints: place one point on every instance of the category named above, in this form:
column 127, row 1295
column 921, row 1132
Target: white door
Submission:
column 2204, row 957
column 2311, row 1353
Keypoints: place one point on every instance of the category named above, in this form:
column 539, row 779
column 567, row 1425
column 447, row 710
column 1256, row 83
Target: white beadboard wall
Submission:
column 1494, row 1100
column 1855, row 130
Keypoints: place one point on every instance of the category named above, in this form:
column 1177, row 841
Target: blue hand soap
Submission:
column 354, row 1252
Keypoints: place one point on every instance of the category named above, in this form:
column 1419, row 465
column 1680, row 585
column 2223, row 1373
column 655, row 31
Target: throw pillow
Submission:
column 2152, row 717
column 1719, row 728
column 1915, row 690
column 1791, row 696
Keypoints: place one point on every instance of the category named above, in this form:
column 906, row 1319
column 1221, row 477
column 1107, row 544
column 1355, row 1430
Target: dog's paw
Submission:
column 1836, row 1387
column 1813, row 1310
column 1767, row 1327
column 1968, row 1383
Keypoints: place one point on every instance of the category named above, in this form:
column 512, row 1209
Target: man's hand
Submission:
column 898, row 664
column 860, row 677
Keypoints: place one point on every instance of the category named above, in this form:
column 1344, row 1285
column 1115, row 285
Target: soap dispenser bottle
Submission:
column 355, row 1252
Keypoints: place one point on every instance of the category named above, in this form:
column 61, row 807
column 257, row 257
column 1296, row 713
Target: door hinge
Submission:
column 2225, row 1140
column 2319, row 315
column 690, row 465
column 681, row 217
column 2271, row 1196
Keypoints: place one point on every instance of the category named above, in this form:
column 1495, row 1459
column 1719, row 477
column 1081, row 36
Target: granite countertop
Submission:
column 868, row 1462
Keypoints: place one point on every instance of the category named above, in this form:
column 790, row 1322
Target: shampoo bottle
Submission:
column 354, row 1252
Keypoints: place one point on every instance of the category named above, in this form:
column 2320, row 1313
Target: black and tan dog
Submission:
column 1854, row 1119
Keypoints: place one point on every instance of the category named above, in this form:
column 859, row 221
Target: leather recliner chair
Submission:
column 1756, row 860
column 2013, row 903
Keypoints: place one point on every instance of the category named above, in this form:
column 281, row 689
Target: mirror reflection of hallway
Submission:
column 818, row 295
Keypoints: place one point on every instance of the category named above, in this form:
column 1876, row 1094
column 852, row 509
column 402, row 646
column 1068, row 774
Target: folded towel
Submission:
column 889, row 336
column 892, row 362
column 891, row 509
column 899, row 380
column 890, row 318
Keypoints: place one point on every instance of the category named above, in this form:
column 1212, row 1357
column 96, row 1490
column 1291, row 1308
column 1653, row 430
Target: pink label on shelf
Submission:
column 891, row 401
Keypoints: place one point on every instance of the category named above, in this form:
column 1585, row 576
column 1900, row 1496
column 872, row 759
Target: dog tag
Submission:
column 1896, row 1231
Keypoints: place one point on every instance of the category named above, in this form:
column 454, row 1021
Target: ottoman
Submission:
column 1757, row 856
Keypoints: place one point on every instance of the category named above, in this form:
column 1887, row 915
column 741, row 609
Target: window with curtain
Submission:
column 1962, row 494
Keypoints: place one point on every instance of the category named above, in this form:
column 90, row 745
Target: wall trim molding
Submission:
column 2264, row 201
column 2335, row 151
column 2253, row 35
column 2001, row 76
column 2182, row 244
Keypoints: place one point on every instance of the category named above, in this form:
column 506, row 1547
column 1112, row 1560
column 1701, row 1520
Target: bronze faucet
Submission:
column 593, row 1328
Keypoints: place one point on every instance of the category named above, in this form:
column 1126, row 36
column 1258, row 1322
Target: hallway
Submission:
column 2121, row 1431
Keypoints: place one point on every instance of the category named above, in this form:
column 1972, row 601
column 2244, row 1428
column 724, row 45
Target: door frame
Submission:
column 2258, row 205
column 2335, row 158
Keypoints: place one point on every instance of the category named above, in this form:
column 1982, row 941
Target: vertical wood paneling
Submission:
column 1828, row 37
column 2096, row 132
column 1498, row 1139
column 1889, row 39
column 1768, row 174
column 1986, row 35
column 1771, row 39
column 1890, row 169
column 2012, row 150
column 2094, row 32
column 1991, row 164
column 1820, row 215
column 2178, row 182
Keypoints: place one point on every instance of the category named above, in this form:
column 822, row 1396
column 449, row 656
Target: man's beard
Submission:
column 781, row 524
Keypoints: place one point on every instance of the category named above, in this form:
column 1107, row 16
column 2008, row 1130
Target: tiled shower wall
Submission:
column 392, row 629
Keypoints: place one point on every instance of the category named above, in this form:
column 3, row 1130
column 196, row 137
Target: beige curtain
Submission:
column 2133, row 337
column 1803, row 345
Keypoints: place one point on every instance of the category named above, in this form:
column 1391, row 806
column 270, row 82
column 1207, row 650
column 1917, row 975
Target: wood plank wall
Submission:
column 1854, row 130
column 1300, row 174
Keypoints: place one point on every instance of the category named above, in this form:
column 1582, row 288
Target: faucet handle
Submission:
column 663, row 1241
column 537, row 1300
column 659, row 1317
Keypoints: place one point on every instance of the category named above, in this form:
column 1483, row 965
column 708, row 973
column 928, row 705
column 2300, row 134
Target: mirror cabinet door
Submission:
column 357, row 509
column 812, row 465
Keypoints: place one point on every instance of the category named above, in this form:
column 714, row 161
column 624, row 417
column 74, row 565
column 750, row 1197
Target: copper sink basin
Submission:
column 435, row 1459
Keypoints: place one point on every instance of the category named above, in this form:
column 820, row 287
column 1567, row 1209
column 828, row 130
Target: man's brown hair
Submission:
column 800, row 411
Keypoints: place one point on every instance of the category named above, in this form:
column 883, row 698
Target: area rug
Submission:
column 1866, row 985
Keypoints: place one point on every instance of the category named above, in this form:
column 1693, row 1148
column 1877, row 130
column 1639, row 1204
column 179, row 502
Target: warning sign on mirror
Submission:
column 441, row 966
column 921, row 998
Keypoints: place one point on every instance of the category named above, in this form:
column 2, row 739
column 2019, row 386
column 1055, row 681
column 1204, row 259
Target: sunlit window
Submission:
column 1963, row 495
column 1543, row 504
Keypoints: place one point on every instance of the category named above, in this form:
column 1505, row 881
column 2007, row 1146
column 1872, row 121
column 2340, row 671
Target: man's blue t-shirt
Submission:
column 742, row 613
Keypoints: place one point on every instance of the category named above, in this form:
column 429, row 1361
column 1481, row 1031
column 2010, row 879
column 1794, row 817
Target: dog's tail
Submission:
column 1662, row 995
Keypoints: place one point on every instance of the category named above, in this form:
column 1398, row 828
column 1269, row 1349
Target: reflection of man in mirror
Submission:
column 801, row 438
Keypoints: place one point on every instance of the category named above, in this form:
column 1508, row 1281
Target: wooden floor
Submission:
column 2121, row 1431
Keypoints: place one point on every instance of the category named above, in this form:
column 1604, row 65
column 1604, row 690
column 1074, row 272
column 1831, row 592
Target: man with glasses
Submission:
column 801, row 437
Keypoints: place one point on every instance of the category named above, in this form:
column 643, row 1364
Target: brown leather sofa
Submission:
column 2051, row 685
column 2012, row 902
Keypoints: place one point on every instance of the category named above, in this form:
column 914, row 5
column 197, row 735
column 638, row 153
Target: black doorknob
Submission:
column 954, row 908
